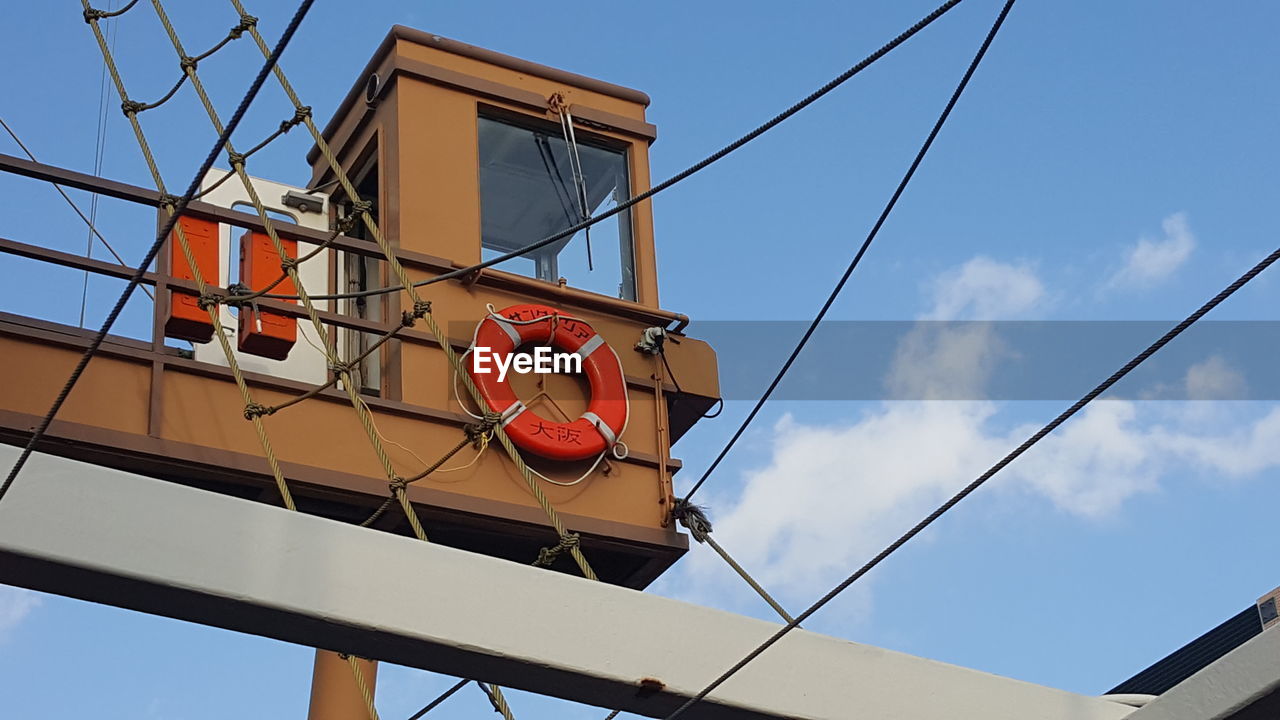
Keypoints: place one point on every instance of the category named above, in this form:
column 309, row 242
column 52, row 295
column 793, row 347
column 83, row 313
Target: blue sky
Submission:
column 1109, row 161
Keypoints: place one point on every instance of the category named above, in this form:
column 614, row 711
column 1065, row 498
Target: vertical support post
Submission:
column 159, row 311
column 334, row 693
column 666, row 487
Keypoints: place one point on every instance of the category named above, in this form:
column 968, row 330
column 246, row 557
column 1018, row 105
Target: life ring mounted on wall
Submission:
column 596, row 431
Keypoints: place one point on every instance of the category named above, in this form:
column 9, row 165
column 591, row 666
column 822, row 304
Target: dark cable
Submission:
column 141, row 270
column 802, row 617
column 696, row 167
column 984, row 477
column 857, row 258
column 440, row 699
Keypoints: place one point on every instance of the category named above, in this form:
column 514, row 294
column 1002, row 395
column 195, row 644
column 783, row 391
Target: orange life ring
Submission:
column 599, row 428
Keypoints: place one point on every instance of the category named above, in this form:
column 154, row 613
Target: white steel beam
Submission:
column 114, row 537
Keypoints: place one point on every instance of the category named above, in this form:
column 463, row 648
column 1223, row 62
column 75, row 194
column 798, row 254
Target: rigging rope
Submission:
column 362, row 684
column 255, row 411
column 422, row 310
column 175, row 206
column 694, row 519
column 237, row 161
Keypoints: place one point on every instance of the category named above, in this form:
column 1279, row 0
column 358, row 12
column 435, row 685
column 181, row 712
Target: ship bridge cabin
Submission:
column 459, row 155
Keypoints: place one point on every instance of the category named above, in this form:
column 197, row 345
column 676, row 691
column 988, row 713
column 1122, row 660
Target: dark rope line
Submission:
column 857, row 258
column 674, row 179
column 336, row 372
column 407, row 320
column 91, row 14
column 795, row 622
column 472, row 437
column 136, row 279
column 133, row 106
column 234, row 33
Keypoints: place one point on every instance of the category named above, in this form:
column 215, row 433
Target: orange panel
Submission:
column 267, row 334
column 187, row 320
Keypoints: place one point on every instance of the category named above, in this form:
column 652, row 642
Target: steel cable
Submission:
column 135, row 280
column 984, row 477
column 862, row 251
column 674, row 179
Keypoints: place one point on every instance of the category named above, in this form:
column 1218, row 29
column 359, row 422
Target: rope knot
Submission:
column 557, row 103
column 132, row 107
column 171, row 200
column 398, row 484
column 235, row 290
column 361, row 207
column 208, row 300
column 91, row 14
column 246, row 22
column 478, row 432
column 346, row 223
column 547, row 556
column 235, row 158
column 420, row 308
column 339, row 367
column 186, row 62
column 693, row 518
column 299, row 116
column 254, row 410
column 288, row 263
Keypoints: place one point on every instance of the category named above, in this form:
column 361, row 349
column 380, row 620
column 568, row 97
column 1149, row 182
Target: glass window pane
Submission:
column 528, row 192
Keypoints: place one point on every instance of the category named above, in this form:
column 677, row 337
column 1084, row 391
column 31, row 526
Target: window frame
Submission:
column 583, row 136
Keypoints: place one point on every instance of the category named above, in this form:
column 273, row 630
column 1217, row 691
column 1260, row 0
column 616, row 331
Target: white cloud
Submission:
column 985, row 289
column 15, row 605
column 1095, row 462
column 830, row 496
column 944, row 360
column 1214, row 379
column 1151, row 261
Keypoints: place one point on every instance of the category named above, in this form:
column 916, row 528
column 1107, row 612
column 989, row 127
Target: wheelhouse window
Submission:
column 529, row 190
